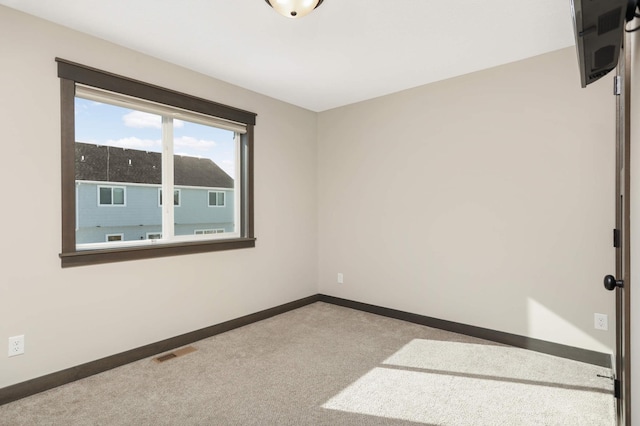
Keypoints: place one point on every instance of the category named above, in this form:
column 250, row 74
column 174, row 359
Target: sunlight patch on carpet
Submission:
column 500, row 361
column 455, row 383
column 446, row 400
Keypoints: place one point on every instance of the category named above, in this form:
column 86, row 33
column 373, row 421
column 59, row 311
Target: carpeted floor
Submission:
column 329, row 365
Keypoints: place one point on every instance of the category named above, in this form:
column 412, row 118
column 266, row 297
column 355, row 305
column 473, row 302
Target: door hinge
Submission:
column 617, row 85
column 616, row 389
column 616, row 238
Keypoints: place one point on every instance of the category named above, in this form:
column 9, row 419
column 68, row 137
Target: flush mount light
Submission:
column 294, row 8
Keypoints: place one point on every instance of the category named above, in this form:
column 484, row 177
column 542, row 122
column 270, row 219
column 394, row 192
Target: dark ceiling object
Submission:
column 294, row 8
column 599, row 27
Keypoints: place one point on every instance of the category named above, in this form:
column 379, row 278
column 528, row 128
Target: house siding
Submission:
column 141, row 213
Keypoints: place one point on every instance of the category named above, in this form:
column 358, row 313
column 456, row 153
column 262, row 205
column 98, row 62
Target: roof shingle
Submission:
column 112, row 164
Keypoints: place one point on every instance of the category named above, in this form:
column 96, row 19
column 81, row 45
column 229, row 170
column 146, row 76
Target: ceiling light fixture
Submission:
column 294, row 8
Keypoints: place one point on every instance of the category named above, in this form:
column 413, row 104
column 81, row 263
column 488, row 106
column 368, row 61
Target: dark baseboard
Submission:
column 49, row 381
column 41, row 384
column 556, row 349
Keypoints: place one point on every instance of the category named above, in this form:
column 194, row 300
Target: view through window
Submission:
column 120, row 179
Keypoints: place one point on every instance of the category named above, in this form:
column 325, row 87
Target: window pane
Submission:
column 119, row 150
column 118, row 196
column 205, row 172
column 105, row 196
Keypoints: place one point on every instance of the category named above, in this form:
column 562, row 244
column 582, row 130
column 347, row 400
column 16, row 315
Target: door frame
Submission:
column 623, row 257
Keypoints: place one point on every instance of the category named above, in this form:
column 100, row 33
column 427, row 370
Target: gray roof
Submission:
column 112, row 164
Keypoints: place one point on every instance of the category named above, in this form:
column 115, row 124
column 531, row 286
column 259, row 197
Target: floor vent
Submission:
column 175, row 354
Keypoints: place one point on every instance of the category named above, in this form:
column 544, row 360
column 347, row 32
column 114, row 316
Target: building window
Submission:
column 114, row 237
column 111, row 196
column 216, row 199
column 208, row 231
column 176, row 197
column 130, row 142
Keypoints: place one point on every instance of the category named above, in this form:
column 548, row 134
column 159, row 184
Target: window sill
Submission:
column 93, row 257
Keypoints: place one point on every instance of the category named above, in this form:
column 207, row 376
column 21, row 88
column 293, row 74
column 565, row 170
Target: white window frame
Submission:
column 112, row 187
column 224, row 204
column 117, row 234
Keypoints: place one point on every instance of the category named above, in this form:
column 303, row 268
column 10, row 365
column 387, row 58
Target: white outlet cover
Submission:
column 601, row 322
column 16, row 345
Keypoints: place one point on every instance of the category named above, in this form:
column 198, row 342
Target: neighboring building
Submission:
column 118, row 195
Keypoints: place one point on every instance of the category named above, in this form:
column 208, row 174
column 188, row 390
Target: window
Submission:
column 111, row 195
column 208, row 231
column 176, row 197
column 216, row 199
column 130, row 142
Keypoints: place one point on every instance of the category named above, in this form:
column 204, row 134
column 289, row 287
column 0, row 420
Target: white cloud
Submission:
column 145, row 120
column 142, row 120
column 136, row 143
column 193, row 143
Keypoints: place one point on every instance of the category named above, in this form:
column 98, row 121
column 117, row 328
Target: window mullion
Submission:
column 168, row 210
column 239, row 187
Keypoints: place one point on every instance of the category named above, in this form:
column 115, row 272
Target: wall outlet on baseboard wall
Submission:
column 601, row 321
column 340, row 278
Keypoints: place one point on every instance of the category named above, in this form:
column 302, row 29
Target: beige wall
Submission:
column 76, row 315
column 486, row 199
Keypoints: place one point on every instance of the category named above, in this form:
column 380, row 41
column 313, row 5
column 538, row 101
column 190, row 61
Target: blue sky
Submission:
column 105, row 124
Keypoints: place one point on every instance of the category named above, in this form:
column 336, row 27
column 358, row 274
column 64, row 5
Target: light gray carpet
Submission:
column 328, row 365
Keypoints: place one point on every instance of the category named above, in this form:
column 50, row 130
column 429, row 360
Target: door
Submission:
column 621, row 282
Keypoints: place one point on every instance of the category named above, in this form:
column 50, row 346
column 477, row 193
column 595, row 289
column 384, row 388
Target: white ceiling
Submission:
column 344, row 52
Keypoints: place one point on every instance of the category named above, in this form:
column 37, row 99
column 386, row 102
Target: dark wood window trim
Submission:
column 71, row 73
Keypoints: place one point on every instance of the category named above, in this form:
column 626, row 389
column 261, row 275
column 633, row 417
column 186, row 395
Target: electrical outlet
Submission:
column 16, row 345
column 601, row 321
column 340, row 278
